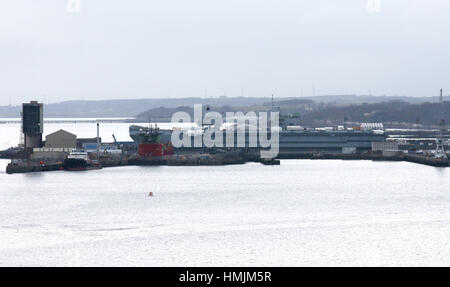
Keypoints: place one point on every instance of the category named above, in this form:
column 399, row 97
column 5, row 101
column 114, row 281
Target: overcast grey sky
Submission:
column 179, row 48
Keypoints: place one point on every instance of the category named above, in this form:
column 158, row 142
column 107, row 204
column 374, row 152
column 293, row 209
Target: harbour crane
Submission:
column 440, row 151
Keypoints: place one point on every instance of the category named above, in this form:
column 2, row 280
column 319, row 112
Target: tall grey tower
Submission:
column 440, row 151
column 33, row 124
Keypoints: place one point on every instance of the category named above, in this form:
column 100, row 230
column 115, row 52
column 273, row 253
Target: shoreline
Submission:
column 222, row 160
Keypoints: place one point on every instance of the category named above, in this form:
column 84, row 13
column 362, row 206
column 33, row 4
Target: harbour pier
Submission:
column 152, row 146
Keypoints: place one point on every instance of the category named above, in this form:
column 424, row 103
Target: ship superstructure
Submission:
column 150, row 143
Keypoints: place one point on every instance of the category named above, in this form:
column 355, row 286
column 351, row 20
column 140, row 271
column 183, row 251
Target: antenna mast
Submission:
column 272, row 103
column 440, row 151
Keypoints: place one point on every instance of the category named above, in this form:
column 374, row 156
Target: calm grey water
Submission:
column 300, row 213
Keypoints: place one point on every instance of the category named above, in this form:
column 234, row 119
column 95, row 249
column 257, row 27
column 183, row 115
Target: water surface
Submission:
column 301, row 213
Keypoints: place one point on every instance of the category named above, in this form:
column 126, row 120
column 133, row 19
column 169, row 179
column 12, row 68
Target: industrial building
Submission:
column 387, row 148
column 58, row 154
column 82, row 142
column 61, row 139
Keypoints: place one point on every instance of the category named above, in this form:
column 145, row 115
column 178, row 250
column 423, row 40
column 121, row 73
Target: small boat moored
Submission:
column 80, row 160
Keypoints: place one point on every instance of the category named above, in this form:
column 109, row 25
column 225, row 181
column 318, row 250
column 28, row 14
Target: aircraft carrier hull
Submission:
column 290, row 142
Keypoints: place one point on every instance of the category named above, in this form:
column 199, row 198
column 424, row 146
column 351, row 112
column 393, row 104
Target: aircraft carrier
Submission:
column 292, row 141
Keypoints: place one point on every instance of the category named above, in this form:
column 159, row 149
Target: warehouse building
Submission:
column 387, row 148
column 61, row 139
column 391, row 146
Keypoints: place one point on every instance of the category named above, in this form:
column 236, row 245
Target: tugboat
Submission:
column 80, row 160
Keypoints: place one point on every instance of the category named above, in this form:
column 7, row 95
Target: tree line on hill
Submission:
column 309, row 113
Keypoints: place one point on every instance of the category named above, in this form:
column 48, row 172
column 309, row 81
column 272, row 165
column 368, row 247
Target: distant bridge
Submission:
column 72, row 121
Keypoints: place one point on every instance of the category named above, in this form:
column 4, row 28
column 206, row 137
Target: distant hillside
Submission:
column 359, row 99
column 163, row 114
column 133, row 107
column 394, row 113
column 390, row 113
column 126, row 108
